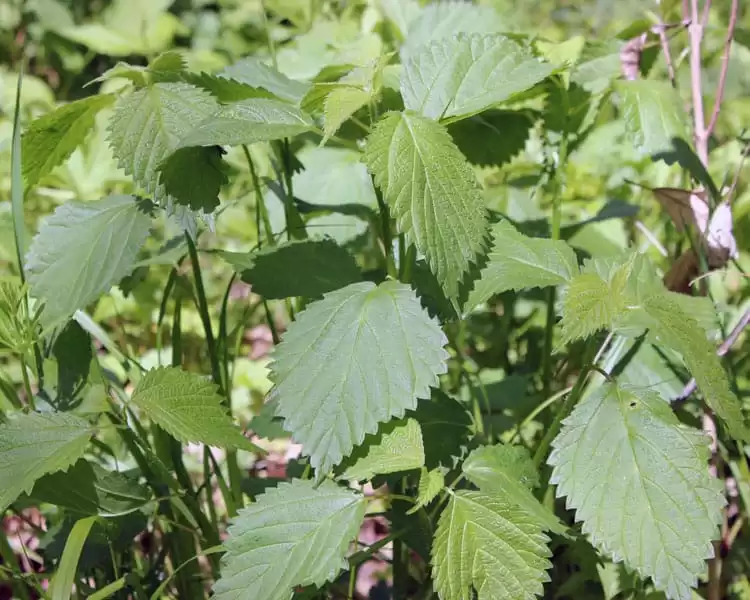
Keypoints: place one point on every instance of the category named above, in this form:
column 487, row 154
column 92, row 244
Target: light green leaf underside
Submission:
column 358, row 357
column 677, row 329
column 639, row 481
column 34, row 444
column 653, row 113
column 188, row 407
column 489, row 544
column 52, row 138
column 253, row 72
column 247, row 122
column 400, row 13
column 81, row 250
column 147, row 126
column 466, row 74
column 294, row 535
column 517, row 262
column 445, row 19
column 432, row 191
column 430, row 485
column 397, row 448
column 509, row 471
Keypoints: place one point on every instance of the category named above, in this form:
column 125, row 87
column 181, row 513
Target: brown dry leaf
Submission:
column 684, row 270
column 684, row 207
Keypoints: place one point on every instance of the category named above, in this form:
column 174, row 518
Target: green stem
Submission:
column 27, row 384
column 203, row 310
column 570, row 402
column 260, row 203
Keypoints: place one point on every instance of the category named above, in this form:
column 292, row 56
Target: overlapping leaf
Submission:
column 464, row 75
column 517, row 262
column 487, row 543
column 52, row 138
column 83, row 249
column 294, row 535
column 396, row 447
column 148, row 125
column 34, row 444
column 639, row 481
column 432, row 192
column 255, row 73
column 358, row 357
column 188, row 406
column 247, row 122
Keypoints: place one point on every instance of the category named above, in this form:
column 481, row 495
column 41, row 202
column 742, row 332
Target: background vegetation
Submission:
column 143, row 509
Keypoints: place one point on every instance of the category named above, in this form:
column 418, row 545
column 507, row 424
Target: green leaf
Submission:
column 517, row 262
column 461, row 76
column 596, row 299
column 247, row 122
column 400, row 13
column 193, row 177
column 674, row 327
column 509, row 471
column 224, row 90
column 82, row 250
column 307, row 268
column 485, row 542
column 88, row 489
column 431, row 484
column 62, row 583
column 446, row 427
column 432, row 192
column 188, row 407
column 34, row 444
column 339, row 107
column 639, row 481
column 358, row 357
column 52, row 138
column 293, row 535
column 148, row 125
column 396, row 447
column 441, row 20
column 653, row 113
column 503, row 135
column 253, row 72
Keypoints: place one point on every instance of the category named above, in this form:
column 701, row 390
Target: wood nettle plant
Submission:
column 387, row 292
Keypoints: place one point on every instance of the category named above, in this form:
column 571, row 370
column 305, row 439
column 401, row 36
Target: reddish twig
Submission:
column 724, row 66
column 699, row 124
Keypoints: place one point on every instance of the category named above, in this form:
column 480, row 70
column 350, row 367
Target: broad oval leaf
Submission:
column 358, row 357
column 247, row 122
column 509, row 471
column 446, row 428
column 653, row 113
column 188, row 406
column 503, row 135
column 461, row 76
column 34, row 444
column 639, row 481
column 147, row 126
column 517, row 262
column 52, row 138
column 487, row 543
column 294, row 535
column 432, row 191
column 81, row 250
column 396, row 447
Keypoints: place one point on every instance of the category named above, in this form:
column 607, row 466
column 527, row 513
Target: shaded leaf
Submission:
column 358, row 357
column 52, row 138
column 493, row 138
column 34, row 444
column 188, row 407
column 253, row 72
column 654, row 475
column 308, row 268
column 432, row 192
column 466, row 74
column 82, row 250
column 486, row 543
column 293, row 535
column 193, row 177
